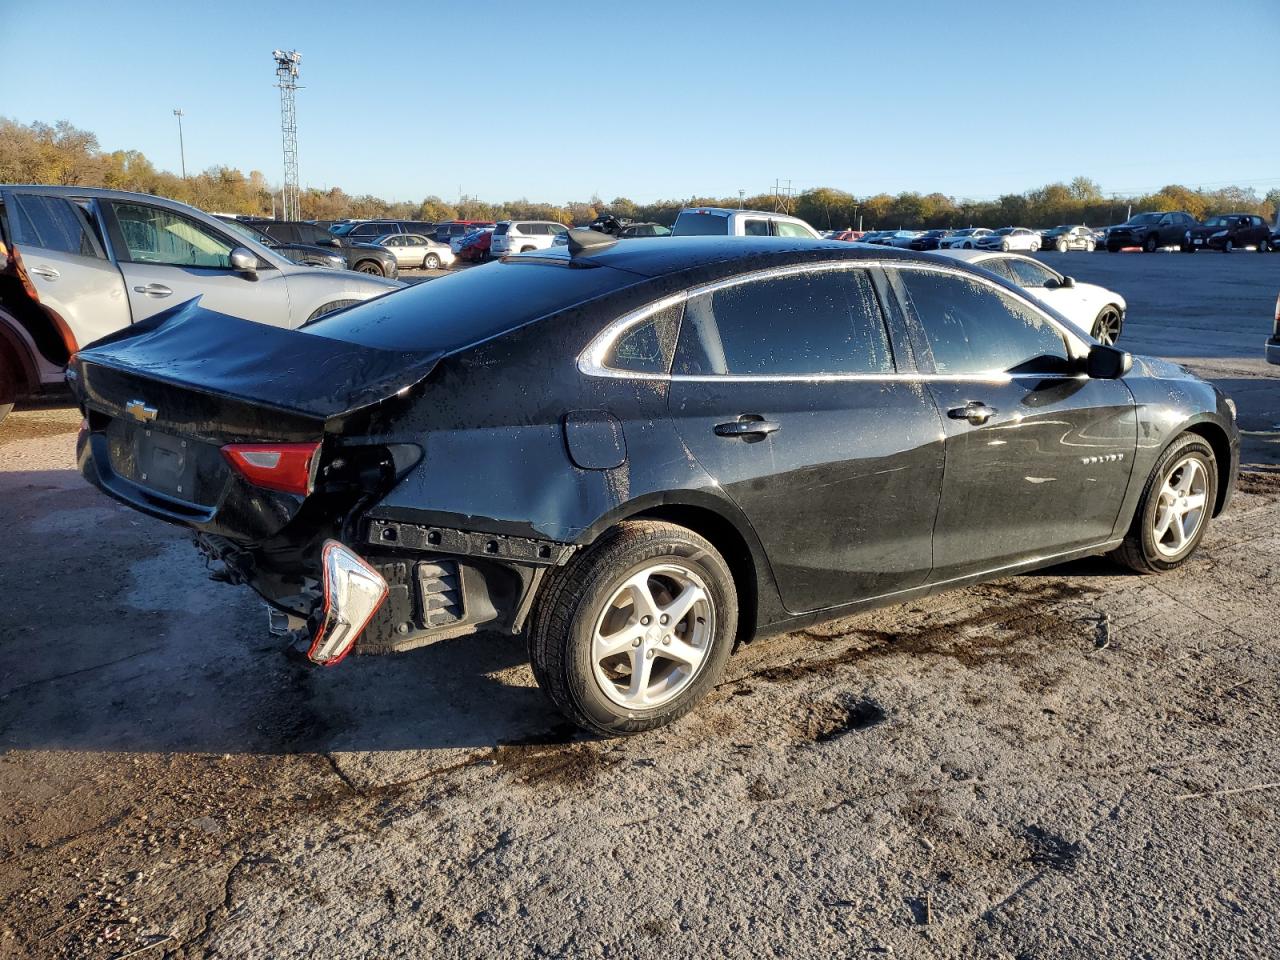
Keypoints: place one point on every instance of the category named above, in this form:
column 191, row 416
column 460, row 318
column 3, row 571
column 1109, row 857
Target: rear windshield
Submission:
column 690, row 224
column 438, row 316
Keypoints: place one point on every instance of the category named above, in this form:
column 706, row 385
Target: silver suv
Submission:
column 725, row 222
column 521, row 236
column 77, row 264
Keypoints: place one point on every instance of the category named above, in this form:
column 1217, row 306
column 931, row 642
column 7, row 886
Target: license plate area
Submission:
column 154, row 459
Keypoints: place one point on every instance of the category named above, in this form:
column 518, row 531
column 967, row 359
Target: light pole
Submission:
column 182, row 147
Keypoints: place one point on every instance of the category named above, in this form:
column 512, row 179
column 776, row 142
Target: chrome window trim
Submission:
column 591, row 360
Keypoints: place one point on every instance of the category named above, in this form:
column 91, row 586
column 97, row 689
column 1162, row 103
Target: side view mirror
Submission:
column 243, row 261
column 1107, row 363
column 1068, row 281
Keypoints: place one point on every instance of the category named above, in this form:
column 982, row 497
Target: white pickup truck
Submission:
column 79, row 263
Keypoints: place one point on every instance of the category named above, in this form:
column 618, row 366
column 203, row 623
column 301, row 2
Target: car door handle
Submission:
column 975, row 411
column 749, row 426
column 156, row 290
column 40, row 270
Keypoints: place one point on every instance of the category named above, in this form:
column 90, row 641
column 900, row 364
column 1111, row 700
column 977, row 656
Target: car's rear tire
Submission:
column 1107, row 326
column 1150, row 245
column 1264, row 246
column 431, row 262
column 1170, row 521
column 371, row 267
column 600, row 620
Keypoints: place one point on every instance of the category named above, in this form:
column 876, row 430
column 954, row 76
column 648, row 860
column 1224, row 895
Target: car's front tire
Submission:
column 1150, row 245
column 600, row 646
column 1004, row 246
column 1106, row 327
column 1227, row 246
column 1174, row 511
column 1061, row 246
column 371, row 267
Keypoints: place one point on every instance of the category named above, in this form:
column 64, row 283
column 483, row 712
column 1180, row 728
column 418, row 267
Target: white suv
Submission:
column 520, row 236
column 724, row 222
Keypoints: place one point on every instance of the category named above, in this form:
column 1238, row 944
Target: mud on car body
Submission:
column 642, row 453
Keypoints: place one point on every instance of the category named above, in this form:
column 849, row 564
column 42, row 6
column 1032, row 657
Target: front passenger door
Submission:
column 1038, row 457
column 168, row 258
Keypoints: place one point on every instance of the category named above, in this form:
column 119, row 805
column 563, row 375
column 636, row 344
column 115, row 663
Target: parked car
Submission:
column 609, row 223
column 901, row 239
column 1095, row 310
column 365, row 230
column 722, row 221
column 1229, row 232
column 79, row 263
column 694, row 442
column 1272, row 350
column 876, row 237
column 475, row 246
column 1068, row 237
column 633, row 230
column 414, row 251
column 312, row 256
column 929, row 240
column 363, row 256
column 1009, row 238
column 850, row 236
column 964, row 239
column 448, row 231
column 1151, row 231
column 523, row 236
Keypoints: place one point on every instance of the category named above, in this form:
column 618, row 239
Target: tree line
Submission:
column 63, row 154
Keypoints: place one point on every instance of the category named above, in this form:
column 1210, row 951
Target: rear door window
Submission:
column 826, row 322
column 648, row 347
column 755, row 228
column 694, row 224
column 972, row 328
column 51, row 223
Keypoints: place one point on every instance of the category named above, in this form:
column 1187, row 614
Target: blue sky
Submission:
column 557, row 101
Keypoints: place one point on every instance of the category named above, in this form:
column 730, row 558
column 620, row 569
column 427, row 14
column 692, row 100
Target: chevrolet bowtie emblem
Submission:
column 139, row 410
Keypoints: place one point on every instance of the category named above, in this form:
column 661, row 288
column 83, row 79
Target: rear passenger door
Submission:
column 785, row 389
column 68, row 266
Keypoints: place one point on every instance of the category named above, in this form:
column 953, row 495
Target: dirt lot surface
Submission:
column 1075, row 763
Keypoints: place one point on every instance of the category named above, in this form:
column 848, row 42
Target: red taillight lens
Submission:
column 276, row 466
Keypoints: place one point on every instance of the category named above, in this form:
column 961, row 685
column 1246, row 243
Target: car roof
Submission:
column 101, row 193
column 717, row 255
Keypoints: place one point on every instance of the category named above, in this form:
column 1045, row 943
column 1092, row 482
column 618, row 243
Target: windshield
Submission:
column 1144, row 218
column 248, row 232
column 1004, row 231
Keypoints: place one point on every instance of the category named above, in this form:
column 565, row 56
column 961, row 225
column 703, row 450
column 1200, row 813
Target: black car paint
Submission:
column 518, row 446
column 356, row 251
column 1243, row 230
column 1151, row 231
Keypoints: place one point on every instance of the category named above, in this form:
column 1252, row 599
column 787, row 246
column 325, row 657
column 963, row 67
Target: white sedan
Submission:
column 1010, row 238
column 963, row 239
column 413, row 250
column 1094, row 309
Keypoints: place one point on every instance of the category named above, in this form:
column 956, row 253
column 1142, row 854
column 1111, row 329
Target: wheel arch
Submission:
column 730, row 533
column 1214, row 435
column 16, row 344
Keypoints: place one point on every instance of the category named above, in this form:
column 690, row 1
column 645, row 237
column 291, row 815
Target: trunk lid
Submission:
column 164, row 396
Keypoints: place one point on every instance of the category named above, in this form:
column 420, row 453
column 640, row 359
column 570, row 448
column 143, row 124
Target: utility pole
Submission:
column 287, row 80
column 182, row 147
column 742, row 198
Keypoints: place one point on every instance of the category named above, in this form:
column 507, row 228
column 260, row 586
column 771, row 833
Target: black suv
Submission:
column 1151, row 231
column 361, row 256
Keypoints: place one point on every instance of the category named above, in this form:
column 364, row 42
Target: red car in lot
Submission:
column 475, row 246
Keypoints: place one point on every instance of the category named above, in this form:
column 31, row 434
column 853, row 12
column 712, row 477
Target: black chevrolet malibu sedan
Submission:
column 641, row 454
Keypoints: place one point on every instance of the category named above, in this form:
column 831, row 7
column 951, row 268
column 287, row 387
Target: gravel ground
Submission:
column 1075, row 763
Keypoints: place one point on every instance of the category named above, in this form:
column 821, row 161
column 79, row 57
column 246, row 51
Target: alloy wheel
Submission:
column 1181, row 507
column 653, row 635
column 1106, row 329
